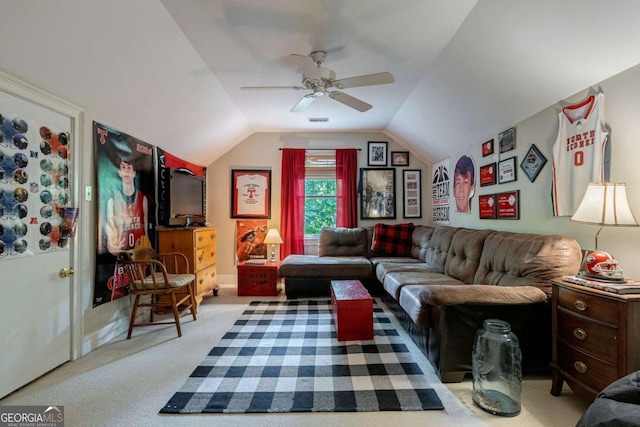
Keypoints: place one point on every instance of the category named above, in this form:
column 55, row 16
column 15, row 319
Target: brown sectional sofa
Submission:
column 454, row 279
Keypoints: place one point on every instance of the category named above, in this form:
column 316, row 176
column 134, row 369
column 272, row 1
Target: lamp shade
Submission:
column 273, row 236
column 605, row 203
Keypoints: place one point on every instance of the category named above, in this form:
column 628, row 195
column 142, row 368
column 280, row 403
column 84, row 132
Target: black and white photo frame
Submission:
column 507, row 140
column 377, row 153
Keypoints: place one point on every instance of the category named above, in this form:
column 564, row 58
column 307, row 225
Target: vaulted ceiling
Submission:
column 169, row 71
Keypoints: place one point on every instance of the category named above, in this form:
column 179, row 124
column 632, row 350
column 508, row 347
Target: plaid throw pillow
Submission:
column 392, row 239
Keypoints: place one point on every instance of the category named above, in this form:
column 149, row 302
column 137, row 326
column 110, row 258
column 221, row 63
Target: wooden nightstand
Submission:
column 258, row 279
column 596, row 338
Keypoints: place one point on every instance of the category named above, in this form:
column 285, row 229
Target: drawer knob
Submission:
column 580, row 334
column 200, row 257
column 580, row 305
column 580, row 367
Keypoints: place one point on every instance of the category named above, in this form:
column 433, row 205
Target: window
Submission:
column 320, row 203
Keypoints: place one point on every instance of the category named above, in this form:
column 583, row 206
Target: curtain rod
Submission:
column 322, row 149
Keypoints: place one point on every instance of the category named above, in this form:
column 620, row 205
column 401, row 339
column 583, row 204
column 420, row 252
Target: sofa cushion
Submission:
column 390, row 266
column 340, row 241
column 521, row 259
column 436, row 253
column 420, row 239
column 344, row 267
column 392, row 239
column 464, row 253
column 394, row 282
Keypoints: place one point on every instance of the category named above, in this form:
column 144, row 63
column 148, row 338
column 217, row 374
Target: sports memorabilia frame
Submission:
column 507, row 170
column 487, row 206
column 507, row 140
column 487, row 148
column 533, row 163
column 251, row 193
column 488, row 174
column 508, row 205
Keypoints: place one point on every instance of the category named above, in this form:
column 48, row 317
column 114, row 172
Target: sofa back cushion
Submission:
column 420, row 241
column 392, row 239
column 436, row 253
column 341, row 241
column 522, row 259
column 464, row 253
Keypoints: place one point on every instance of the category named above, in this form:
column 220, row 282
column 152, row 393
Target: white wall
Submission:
column 262, row 150
column 622, row 113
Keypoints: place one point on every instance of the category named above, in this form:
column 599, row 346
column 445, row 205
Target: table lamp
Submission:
column 605, row 203
column 273, row 237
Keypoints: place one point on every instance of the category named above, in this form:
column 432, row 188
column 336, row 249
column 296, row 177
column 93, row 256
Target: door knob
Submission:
column 65, row 272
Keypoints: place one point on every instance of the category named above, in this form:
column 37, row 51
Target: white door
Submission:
column 35, row 302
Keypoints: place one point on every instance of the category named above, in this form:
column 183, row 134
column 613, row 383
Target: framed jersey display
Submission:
column 533, row 163
column 250, row 193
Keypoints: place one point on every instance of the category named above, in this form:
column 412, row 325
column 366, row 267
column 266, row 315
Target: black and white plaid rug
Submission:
column 284, row 357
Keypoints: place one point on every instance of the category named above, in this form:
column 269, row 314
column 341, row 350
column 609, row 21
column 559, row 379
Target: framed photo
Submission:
column 399, row 158
column 487, row 206
column 507, row 170
column 487, row 148
column 412, row 193
column 533, row 162
column 250, row 193
column 508, row 205
column 488, row 174
column 507, row 140
column 378, row 154
column 378, row 193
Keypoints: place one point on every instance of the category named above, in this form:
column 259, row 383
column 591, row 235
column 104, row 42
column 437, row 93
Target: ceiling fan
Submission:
column 319, row 79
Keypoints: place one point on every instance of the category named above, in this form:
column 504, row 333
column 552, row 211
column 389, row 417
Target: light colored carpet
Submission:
column 123, row 383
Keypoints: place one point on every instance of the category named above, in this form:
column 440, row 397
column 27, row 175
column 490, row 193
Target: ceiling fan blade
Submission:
column 272, row 87
column 307, row 66
column 303, row 103
column 366, row 80
column 350, row 101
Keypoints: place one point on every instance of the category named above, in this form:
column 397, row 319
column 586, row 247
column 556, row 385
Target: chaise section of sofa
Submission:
column 341, row 256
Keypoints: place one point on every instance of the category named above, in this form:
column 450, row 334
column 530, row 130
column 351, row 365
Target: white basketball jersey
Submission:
column 578, row 153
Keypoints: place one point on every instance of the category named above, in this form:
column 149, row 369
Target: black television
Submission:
column 187, row 193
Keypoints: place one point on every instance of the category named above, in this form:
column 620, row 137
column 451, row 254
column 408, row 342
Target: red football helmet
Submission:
column 602, row 264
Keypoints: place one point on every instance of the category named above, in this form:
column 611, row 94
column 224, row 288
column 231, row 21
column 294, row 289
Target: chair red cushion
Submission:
column 392, row 239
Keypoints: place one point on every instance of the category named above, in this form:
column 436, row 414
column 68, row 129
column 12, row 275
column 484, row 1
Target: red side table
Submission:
column 258, row 279
column 352, row 308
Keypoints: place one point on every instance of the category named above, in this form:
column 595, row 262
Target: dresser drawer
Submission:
column 205, row 257
column 204, row 238
column 592, row 306
column 595, row 338
column 586, row 369
column 205, row 279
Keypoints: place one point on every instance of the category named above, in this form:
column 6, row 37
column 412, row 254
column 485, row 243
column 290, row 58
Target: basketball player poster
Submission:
column 578, row 153
column 126, row 206
column 440, row 192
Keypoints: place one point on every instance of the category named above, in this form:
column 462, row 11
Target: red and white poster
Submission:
column 126, row 205
column 250, row 236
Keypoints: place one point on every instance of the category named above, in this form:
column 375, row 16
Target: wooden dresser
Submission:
column 199, row 245
column 596, row 338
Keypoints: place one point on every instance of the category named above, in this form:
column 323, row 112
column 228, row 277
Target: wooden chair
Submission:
column 148, row 276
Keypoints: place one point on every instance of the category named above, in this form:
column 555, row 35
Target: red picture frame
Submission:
column 250, row 193
column 488, row 174
column 487, row 206
column 487, row 148
column 508, row 204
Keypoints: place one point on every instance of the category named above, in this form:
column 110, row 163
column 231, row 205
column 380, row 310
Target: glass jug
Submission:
column 497, row 369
